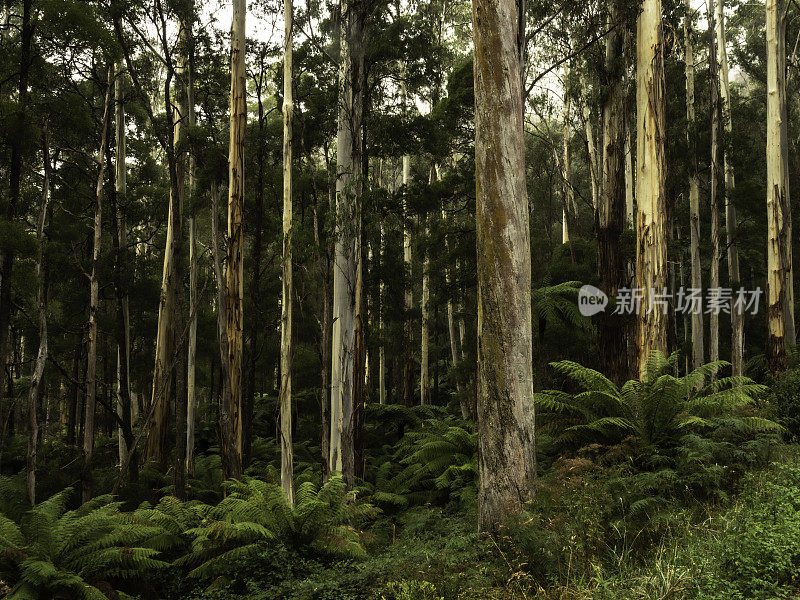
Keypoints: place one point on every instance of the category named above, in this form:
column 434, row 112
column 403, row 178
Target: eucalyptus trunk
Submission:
column 651, row 221
column 698, row 328
column 234, row 288
column 737, row 309
column 780, row 318
column 714, row 289
column 94, row 301
column 347, row 253
column 34, row 392
column 507, row 457
column 610, row 213
column 286, row 297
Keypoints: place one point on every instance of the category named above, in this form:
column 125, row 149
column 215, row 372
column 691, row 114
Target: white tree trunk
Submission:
column 121, row 188
column 347, row 253
column 94, row 301
column 568, row 208
column 698, row 351
column 287, row 460
column 737, row 310
column 630, row 181
column 591, row 142
column 191, row 358
column 41, row 302
column 780, row 319
column 651, row 222
column 713, row 340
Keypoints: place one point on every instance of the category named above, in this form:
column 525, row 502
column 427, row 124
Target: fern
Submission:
column 55, row 552
column 659, row 408
column 256, row 511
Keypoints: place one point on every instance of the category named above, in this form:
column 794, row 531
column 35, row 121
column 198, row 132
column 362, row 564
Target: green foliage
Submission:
column 436, row 462
column 78, row 553
column 659, row 409
column 758, row 550
column 785, row 401
column 254, row 512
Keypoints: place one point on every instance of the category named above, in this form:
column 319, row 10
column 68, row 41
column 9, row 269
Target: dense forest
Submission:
column 399, row 300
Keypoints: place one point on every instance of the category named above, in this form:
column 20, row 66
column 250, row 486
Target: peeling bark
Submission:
column 651, row 222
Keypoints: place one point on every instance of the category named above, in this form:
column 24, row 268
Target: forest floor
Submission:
column 742, row 545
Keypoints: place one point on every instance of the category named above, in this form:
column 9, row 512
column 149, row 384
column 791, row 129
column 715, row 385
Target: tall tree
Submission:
column 507, row 458
column 780, row 318
column 234, row 294
column 713, row 279
column 287, row 290
column 737, row 310
column 698, row 352
column 34, row 392
column 651, row 220
column 94, row 301
column 125, row 412
column 610, row 213
column 27, row 29
column 408, row 293
column 347, row 253
column 191, row 354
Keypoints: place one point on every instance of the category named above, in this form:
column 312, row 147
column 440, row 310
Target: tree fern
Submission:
column 658, row 409
column 255, row 511
column 54, row 552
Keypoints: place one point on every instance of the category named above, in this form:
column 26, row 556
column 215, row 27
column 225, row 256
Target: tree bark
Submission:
column 347, row 256
column 41, row 302
column 698, row 351
column 191, row 354
column 506, row 453
column 234, row 294
column 780, row 321
column 737, row 310
column 408, row 296
column 287, row 459
column 713, row 340
column 94, row 299
column 651, row 223
column 17, row 143
column 610, row 213
column 231, row 459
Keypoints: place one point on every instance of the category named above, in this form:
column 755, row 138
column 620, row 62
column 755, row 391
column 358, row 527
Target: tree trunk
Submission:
column 287, row 459
column 780, row 320
column 408, row 297
column 595, row 176
column 425, row 317
column 191, row 354
column 234, row 291
column 713, row 283
column 231, row 459
column 567, row 194
column 698, row 351
column 17, row 143
column 41, row 302
column 347, row 257
column 630, row 182
column 94, row 299
column 120, row 242
column 651, row 222
column 737, row 309
column 610, row 213
column 507, row 458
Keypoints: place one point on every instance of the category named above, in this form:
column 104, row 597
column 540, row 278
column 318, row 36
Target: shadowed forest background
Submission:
column 295, row 314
